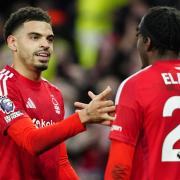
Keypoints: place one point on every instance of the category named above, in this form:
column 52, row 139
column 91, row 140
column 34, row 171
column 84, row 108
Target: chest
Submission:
column 43, row 105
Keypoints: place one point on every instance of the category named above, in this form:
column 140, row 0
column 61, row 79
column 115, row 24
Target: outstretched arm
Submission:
column 36, row 141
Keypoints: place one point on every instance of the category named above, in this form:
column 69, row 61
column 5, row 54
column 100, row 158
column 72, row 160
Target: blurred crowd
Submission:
column 95, row 46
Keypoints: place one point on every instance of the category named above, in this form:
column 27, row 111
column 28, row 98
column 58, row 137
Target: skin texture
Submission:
column 32, row 45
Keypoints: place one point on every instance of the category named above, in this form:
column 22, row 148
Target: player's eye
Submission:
column 34, row 37
column 50, row 39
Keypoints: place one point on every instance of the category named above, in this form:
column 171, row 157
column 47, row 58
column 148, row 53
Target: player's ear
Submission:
column 11, row 41
column 147, row 42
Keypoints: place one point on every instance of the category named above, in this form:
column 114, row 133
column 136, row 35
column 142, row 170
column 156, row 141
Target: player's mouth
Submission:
column 43, row 56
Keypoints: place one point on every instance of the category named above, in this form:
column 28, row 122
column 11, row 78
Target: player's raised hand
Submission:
column 97, row 111
column 81, row 105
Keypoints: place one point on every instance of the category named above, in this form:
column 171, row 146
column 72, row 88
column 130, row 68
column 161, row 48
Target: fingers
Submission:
column 106, row 116
column 80, row 105
column 107, row 109
column 98, row 110
column 103, row 94
column 102, row 104
column 91, row 95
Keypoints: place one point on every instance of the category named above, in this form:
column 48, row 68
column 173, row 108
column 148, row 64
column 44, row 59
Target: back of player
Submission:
column 162, row 123
column 146, row 133
column 161, row 126
column 147, row 115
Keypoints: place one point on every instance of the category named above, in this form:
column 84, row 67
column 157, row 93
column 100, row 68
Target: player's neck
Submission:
column 28, row 73
column 166, row 55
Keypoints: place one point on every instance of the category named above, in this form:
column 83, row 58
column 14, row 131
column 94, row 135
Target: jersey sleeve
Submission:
column 128, row 122
column 65, row 170
column 11, row 105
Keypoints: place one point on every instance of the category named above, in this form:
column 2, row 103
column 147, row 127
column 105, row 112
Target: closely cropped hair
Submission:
column 162, row 26
column 24, row 14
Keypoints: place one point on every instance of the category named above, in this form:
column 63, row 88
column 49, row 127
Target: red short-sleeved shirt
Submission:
column 43, row 103
column 148, row 117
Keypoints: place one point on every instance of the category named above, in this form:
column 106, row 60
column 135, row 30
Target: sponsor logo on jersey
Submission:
column 116, row 128
column 56, row 104
column 12, row 116
column 6, row 105
column 42, row 123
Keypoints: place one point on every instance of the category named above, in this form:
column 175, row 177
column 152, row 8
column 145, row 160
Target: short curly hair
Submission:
column 22, row 15
column 162, row 26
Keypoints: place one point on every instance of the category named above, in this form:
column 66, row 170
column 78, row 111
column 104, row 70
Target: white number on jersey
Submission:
column 168, row 153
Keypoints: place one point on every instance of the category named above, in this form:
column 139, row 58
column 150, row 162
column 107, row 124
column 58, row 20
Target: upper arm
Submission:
column 11, row 105
column 129, row 114
column 119, row 161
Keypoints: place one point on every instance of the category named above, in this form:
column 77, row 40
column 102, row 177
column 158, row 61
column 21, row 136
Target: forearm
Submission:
column 36, row 141
column 66, row 171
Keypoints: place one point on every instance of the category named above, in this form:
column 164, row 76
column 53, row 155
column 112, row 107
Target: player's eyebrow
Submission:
column 39, row 34
column 34, row 33
column 51, row 36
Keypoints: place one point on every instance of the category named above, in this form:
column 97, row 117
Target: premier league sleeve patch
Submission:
column 6, row 105
column 8, row 109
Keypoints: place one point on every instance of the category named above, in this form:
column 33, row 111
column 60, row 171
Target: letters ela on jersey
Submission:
column 168, row 78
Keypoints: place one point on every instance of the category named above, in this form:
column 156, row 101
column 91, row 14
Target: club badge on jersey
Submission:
column 55, row 104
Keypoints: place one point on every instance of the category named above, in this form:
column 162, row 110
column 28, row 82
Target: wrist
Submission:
column 83, row 116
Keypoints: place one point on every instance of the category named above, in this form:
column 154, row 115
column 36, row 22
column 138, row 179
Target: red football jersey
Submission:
column 148, row 117
column 43, row 103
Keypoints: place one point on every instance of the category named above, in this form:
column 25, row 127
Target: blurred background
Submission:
column 95, row 46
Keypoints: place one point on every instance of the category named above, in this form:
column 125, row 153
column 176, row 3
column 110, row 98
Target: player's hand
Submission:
column 98, row 109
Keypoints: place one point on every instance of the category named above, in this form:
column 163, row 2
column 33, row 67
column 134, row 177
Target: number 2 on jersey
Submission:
column 168, row 153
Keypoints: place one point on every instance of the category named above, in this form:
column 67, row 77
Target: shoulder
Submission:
column 51, row 86
column 6, row 74
column 133, row 83
column 7, row 81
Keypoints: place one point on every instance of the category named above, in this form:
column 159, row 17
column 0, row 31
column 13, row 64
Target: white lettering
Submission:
column 169, row 79
column 116, row 128
column 42, row 123
column 12, row 116
column 166, row 78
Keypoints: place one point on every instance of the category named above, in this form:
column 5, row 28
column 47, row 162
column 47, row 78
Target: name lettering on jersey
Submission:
column 12, row 116
column 169, row 79
column 116, row 128
column 42, row 123
column 56, row 104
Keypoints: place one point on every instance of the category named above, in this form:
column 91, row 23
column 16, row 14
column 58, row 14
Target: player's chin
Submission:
column 42, row 67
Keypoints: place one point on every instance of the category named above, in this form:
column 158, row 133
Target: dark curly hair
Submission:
column 162, row 26
column 22, row 15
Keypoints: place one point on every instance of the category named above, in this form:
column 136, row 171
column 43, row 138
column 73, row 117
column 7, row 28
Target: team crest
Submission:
column 6, row 105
